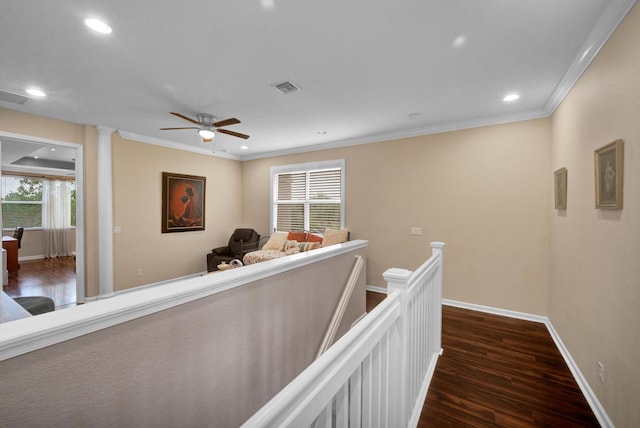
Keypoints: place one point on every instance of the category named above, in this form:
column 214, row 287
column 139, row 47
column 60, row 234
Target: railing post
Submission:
column 437, row 248
column 398, row 280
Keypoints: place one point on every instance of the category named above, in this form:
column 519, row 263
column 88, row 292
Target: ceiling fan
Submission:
column 207, row 127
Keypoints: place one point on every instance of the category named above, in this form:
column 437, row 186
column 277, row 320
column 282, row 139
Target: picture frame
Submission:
column 609, row 174
column 183, row 202
column 560, row 188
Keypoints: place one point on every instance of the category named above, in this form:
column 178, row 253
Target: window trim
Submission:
column 306, row 167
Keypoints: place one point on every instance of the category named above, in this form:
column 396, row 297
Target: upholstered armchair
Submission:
column 241, row 242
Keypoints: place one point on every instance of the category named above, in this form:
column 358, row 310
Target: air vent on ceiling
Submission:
column 287, row 87
column 13, row 98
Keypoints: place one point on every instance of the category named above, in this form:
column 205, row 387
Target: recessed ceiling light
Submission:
column 53, row 149
column 267, row 4
column 98, row 26
column 322, row 132
column 459, row 41
column 35, row 157
column 511, row 97
column 244, row 147
column 36, row 92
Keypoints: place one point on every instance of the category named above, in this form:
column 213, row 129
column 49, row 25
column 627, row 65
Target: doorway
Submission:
column 27, row 156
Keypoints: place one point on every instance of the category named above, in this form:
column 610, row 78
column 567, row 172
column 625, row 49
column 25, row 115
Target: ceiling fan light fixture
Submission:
column 206, row 134
column 98, row 26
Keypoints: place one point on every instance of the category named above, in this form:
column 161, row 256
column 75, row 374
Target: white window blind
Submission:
column 308, row 199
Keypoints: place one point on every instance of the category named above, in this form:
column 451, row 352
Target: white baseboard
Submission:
column 496, row 311
column 588, row 393
column 376, row 289
column 39, row 257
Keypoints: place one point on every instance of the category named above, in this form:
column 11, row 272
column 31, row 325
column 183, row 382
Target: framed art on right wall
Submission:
column 560, row 184
column 609, row 172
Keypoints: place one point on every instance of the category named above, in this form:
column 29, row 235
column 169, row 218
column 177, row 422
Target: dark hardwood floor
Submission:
column 500, row 371
column 55, row 278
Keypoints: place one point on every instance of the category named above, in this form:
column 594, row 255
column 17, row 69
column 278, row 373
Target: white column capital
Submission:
column 104, row 131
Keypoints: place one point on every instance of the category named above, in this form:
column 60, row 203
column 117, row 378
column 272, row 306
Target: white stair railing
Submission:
column 341, row 307
column 378, row 373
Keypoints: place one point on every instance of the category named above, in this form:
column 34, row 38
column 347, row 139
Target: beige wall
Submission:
column 36, row 126
column 137, row 193
column 484, row 192
column 594, row 295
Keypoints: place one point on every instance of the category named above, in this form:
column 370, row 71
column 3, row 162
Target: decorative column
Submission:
column 105, row 214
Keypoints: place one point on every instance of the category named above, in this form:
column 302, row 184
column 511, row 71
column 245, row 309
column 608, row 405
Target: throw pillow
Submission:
column 289, row 245
column 308, row 246
column 276, row 241
column 297, row 236
column 311, row 237
column 332, row 236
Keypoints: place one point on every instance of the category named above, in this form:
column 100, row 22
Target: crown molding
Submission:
column 170, row 144
column 607, row 24
column 405, row 133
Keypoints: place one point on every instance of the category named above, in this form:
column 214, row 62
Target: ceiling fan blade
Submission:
column 235, row 134
column 226, row 122
column 182, row 116
column 173, row 129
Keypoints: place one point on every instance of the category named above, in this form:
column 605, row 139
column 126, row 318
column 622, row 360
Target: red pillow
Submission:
column 296, row 236
column 313, row 238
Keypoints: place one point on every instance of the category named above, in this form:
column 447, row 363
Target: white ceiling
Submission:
column 369, row 70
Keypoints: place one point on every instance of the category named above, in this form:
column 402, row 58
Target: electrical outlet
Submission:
column 139, row 272
column 416, row 231
column 601, row 371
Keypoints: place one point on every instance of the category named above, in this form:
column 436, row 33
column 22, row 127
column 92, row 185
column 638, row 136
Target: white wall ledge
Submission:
column 29, row 334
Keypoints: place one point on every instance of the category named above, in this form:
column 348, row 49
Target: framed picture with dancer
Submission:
column 183, row 198
column 609, row 162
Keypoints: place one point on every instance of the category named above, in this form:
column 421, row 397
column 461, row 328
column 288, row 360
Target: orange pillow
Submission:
column 313, row 238
column 296, row 236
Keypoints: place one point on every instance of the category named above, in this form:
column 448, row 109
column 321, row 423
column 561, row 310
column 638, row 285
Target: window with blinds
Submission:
column 308, row 197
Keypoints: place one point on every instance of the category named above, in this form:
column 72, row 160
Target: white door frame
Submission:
column 79, row 179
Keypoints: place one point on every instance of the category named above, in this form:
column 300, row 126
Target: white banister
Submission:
column 378, row 373
column 398, row 281
column 341, row 307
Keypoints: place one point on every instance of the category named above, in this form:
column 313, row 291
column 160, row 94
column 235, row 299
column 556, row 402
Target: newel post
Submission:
column 437, row 249
column 398, row 280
